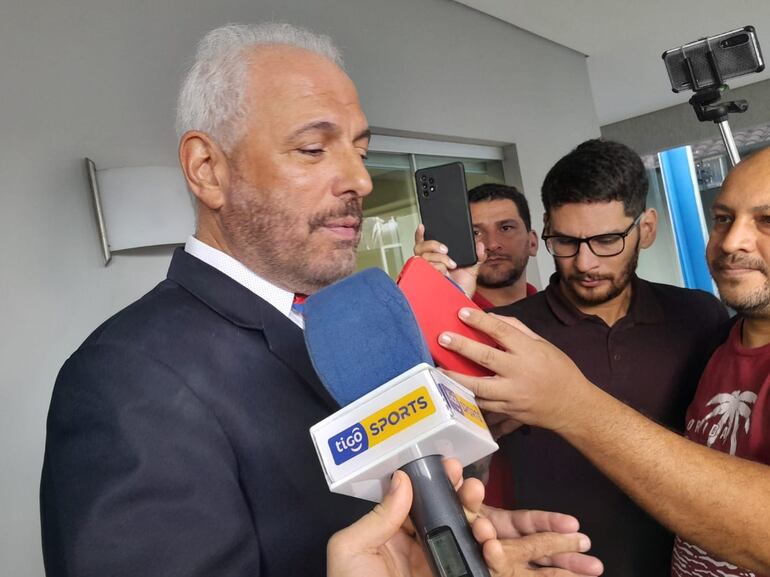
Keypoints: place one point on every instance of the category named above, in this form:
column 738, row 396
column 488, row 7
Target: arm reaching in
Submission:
column 686, row 486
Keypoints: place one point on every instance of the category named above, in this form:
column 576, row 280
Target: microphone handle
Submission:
column 440, row 522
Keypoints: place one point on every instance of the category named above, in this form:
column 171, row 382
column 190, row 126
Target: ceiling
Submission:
column 624, row 40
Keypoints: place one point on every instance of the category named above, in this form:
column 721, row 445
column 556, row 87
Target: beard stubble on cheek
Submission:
column 287, row 247
column 752, row 303
column 618, row 282
column 511, row 274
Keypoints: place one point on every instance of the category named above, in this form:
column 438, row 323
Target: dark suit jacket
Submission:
column 178, row 441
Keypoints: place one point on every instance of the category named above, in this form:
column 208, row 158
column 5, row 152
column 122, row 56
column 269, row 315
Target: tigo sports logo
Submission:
column 349, row 443
column 382, row 425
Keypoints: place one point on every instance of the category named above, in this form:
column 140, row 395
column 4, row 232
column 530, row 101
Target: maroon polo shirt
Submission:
column 499, row 489
column 650, row 359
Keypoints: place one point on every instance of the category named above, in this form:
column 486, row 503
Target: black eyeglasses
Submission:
column 611, row 244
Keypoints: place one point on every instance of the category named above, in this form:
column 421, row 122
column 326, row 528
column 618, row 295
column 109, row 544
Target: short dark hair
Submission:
column 495, row 191
column 597, row 171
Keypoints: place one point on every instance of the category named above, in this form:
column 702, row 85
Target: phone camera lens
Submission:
column 423, row 177
column 431, row 180
column 425, row 193
column 734, row 41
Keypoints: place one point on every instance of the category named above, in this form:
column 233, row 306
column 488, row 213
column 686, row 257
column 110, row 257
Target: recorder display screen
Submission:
column 448, row 558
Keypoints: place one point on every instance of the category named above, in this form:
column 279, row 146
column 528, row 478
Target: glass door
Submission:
column 391, row 215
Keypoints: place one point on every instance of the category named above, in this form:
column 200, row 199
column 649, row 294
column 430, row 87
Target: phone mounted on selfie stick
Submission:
column 704, row 65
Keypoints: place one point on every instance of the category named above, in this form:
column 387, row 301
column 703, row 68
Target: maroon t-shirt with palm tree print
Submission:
column 730, row 413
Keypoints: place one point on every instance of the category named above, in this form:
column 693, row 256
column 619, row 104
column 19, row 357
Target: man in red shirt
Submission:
column 712, row 488
column 731, row 408
column 501, row 221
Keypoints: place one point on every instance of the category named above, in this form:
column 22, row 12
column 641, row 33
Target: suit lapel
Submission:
column 287, row 341
column 245, row 309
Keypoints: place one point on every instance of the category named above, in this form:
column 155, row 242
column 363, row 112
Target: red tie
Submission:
column 298, row 305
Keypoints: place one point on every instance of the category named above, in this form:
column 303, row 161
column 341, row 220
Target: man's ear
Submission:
column 648, row 228
column 533, row 243
column 205, row 168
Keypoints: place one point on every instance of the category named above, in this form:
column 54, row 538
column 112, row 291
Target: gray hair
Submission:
column 211, row 98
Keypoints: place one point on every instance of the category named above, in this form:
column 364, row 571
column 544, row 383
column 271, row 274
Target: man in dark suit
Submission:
column 178, row 432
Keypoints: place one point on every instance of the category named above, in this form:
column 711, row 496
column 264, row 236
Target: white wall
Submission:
column 99, row 77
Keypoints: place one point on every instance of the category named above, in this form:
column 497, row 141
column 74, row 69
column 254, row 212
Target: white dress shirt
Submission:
column 276, row 296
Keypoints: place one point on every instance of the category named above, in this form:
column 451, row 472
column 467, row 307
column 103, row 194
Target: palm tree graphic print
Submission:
column 730, row 408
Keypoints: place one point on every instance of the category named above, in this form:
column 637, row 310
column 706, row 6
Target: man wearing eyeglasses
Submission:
column 644, row 343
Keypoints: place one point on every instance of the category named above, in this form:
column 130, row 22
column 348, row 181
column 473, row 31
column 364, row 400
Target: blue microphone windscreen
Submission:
column 361, row 333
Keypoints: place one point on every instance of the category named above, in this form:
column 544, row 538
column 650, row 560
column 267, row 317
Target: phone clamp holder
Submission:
column 708, row 106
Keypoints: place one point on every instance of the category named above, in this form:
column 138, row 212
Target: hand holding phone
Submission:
column 443, row 202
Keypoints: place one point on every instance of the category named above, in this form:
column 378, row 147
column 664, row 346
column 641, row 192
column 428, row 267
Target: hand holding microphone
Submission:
column 398, row 413
column 383, row 543
column 361, row 333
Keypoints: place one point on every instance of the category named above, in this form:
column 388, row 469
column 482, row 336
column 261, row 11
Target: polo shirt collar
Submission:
column 645, row 308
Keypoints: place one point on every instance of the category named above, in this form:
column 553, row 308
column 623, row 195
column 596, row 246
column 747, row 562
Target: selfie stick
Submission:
column 708, row 108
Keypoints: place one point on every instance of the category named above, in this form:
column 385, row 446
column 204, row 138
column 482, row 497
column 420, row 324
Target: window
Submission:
column 663, row 261
column 390, row 211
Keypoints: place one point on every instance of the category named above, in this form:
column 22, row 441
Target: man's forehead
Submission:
column 497, row 208
column 294, row 70
column 748, row 185
column 284, row 56
column 587, row 218
column 291, row 89
column 605, row 209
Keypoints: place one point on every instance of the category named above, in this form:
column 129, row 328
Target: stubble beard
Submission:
column 281, row 246
column 505, row 279
column 593, row 298
column 754, row 304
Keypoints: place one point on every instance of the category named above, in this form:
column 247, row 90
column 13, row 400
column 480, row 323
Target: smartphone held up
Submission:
column 443, row 201
column 707, row 63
